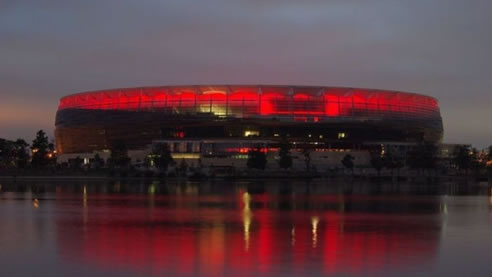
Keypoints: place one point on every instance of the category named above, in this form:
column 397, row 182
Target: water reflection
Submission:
column 247, row 228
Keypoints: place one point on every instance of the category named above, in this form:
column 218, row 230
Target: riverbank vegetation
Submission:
column 39, row 158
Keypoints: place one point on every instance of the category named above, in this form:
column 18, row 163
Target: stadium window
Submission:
column 249, row 133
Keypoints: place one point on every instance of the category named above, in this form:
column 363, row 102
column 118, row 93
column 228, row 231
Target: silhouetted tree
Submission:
column 98, row 161
column 377, row 162
column 22, row 157
column 256, row 158
column 393, row 160
column 348, row 162
column 40, row 148
column 423, row 156
column 119, row 155
column 285, row 160
column 7, row 153
column 307, row 158
column 183, row 167
column 76, row 163
column 462, row 158
column 162, row 156
column 52, row 157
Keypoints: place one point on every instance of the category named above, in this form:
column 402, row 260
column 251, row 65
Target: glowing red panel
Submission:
column 147, row 99
column 187, row 99
column 332, row 108
column 244, row 103
column 243, row 96
column 270, row 102
column 248, row 101
column 304, row 104
column 212, row 97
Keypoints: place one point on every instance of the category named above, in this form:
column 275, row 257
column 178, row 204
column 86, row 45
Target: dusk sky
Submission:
column 52, row 48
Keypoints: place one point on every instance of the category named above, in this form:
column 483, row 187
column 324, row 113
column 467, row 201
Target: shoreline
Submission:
column 394, row 179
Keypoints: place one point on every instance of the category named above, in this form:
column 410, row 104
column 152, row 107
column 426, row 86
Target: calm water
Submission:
column 91, row 228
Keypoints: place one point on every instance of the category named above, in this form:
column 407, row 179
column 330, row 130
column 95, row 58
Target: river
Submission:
column 244, row 228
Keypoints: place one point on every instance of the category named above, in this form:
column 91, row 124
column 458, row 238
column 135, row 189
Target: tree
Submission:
column 98, row 161
column 21, row 155
column 393, row 160
column 162, row 156
column 462, row 158
column 256, row 158
column 40, row 147
column 13, row 154
column 52, row 154
column 348, row 162
column 377, row 162
column 76, row 163
column 183, row 167
column 119, row 154
column 6, row 153
column 307, row 158
column 285, row 161
column 423, row 156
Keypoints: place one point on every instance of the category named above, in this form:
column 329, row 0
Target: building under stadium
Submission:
column 223, row 122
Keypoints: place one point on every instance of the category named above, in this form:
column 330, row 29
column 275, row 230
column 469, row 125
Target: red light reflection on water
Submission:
column 177, row 238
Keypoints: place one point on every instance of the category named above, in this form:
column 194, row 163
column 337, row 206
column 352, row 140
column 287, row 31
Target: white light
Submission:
column 247, row 215
column 314, row 223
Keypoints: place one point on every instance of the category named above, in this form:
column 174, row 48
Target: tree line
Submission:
column 18, row 154
column 424, row 157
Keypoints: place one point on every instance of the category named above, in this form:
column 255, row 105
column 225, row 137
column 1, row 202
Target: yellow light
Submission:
column 185, row 156
column 35, row 150
column 314, row 223
column 218, row 110
column 214, row 92
column 151, row 189
column 35, row 203
column 249, row 133
column 247, row 216
column 341, row 135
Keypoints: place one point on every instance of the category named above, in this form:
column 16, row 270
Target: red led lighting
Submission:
column 246, row 150
column 300, row 103
column 112, row 242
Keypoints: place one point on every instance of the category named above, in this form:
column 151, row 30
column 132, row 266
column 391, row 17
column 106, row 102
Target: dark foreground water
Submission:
column 282, row 228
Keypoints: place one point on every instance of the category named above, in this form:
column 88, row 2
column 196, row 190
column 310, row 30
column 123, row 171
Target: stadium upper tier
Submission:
column 283, row 102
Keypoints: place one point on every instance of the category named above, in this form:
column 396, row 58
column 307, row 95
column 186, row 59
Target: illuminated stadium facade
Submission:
column 328, row 117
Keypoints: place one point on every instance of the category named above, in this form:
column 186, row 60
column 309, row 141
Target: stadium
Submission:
column 230, row 119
